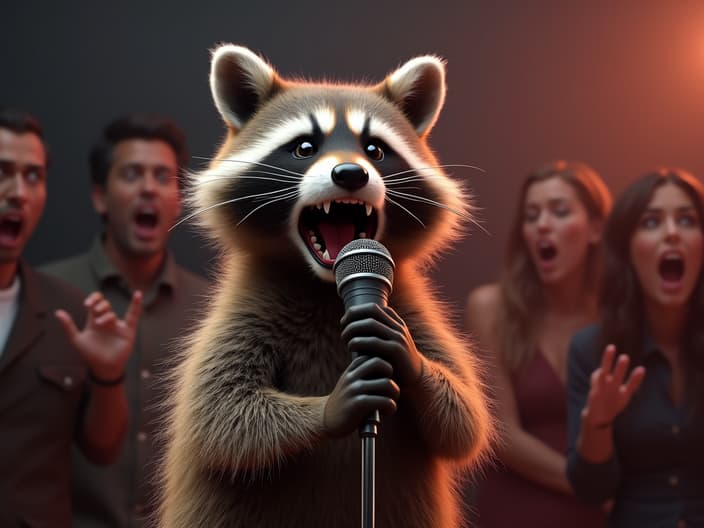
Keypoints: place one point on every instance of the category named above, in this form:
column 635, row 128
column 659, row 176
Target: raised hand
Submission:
column 373, row 330
column 609, row 393
column 105, row 342
column 364, row 387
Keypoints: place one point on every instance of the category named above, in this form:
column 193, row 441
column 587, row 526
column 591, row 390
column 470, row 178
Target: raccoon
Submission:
column 266, row 402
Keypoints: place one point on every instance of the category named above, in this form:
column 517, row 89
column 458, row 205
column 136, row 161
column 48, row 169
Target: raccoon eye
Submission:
column 304, row 149
column 374, row 151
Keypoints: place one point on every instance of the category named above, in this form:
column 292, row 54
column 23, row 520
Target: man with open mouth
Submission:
column 58, row 386
column 137, row 175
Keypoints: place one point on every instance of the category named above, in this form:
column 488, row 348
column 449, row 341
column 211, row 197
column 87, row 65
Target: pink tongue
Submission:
column 336, row 236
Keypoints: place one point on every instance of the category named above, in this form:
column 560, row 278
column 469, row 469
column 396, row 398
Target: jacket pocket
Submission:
column 65, row 377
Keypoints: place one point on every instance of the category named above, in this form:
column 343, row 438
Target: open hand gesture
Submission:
column 609, row 393
column 105, row 342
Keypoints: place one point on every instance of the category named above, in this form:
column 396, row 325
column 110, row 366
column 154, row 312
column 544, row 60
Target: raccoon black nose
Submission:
column 350, row 176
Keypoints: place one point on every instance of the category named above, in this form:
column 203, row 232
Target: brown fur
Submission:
column 247, row 446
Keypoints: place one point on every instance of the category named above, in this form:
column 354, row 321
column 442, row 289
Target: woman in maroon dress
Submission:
column 523, row 325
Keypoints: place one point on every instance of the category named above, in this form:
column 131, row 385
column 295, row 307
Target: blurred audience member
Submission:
column 642, row 447
column 524, row 324
column 57, row 386
column 137, row 175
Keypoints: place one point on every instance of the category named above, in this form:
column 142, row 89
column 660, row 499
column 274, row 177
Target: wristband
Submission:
column 106, row 383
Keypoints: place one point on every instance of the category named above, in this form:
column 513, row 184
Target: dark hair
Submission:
column 623, row 316
column 136, row 126
column 521, row 288
column 21, row 122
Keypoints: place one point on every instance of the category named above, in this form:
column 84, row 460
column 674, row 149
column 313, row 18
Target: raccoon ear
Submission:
column 418, row 89
column 240, row 82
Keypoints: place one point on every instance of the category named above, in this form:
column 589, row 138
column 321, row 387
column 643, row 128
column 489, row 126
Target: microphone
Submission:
column 364, row 273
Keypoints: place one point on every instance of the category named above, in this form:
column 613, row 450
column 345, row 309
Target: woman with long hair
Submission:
column 636, row 380
column 523, row 324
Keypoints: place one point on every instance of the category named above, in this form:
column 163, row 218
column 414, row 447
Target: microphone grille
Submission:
column 365, row 257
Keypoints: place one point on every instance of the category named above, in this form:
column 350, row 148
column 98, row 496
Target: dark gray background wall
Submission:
column 617, row 84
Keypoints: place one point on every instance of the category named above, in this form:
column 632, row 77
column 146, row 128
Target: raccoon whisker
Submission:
column 257, row 199
column 477, row 224
column 292, row 194
column 407, row 188
column 233, row 200
column 270, row 173
column 414, row 178
column 245, row 176
column 409, row 179
column 268, row 193
column 260, row 164
column 432, row 167
column 423, row 199
column 402, row 207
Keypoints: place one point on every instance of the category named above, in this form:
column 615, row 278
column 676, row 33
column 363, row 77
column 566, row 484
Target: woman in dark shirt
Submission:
column 636, row 421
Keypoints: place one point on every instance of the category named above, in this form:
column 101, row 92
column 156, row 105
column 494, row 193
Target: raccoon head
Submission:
column 307, row 167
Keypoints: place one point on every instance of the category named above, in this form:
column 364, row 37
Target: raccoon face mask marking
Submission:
column 309, row 167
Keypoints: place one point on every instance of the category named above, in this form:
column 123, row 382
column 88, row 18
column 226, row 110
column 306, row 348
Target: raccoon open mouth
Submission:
column 326, row 227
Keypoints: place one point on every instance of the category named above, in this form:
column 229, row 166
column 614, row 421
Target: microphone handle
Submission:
column 363, row 291
column 370, row 427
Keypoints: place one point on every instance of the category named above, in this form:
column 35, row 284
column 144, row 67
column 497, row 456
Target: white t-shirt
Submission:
column 9, row 302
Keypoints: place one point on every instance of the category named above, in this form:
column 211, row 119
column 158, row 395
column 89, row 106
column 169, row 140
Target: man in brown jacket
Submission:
column 58, row 385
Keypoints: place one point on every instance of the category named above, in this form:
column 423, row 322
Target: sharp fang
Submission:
column 326, row 207
column 318, row 206
column 317, row 246
column 369, row 209
column 326, row 255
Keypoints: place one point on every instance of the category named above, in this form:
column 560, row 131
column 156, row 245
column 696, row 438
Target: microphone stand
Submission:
column 368, row 433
